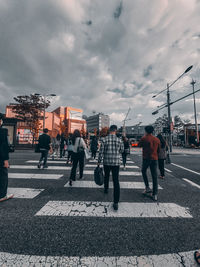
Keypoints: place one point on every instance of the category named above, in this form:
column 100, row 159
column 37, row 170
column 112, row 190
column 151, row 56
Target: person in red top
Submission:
column 151, row 147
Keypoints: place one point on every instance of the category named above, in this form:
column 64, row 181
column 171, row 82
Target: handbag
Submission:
column 127, row 150
column 37, row 148
column 98, row 176
column 87, row 154
column 80, row 149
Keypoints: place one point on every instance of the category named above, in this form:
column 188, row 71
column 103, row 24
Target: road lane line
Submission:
column 167, row 170
column 29, row 193
column 123, row 185
column 19, row 175
column 192, row 183
column 185, row 168
column 104, row 209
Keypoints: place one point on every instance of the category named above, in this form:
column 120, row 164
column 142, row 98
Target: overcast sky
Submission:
column 101, row 55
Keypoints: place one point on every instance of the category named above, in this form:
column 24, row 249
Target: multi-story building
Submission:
column 97, row 121
column 65, row 119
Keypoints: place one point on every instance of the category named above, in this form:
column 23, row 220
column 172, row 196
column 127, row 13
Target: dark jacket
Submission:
column 4, row 149
column 44, row 141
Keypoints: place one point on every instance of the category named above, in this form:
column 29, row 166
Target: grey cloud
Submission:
column 147, row 71
column 118, row 11
column 78, row 49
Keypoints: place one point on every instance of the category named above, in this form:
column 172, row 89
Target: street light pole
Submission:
column 169, row 118
column 195, row 113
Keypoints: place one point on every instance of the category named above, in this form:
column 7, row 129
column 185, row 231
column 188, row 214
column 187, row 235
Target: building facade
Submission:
column 98, row 122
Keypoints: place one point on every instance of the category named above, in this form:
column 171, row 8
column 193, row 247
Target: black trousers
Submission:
column 161, row 166
column 94, row 153
column 69, row 155
column 77, row 158
column 3, row 181
column 44, row 155
column 153, row 168
column 124, row 156
column 115, row 176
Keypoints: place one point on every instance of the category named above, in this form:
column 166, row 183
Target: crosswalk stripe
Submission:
column 34, row 176
column 35, row 167
column 122, row 173
column 24, row 192
column 127, row 167
column 165, row 260
column 123, row 185
column 104, row 209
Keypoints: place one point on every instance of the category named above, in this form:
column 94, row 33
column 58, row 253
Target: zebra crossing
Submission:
column 130, row 179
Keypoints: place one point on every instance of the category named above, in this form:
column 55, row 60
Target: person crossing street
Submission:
column 110, row 151
column 4, row 164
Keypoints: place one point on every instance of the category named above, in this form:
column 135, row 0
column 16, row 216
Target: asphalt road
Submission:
column 22, row 232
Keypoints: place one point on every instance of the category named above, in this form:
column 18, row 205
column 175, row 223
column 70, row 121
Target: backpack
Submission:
column 98, row 176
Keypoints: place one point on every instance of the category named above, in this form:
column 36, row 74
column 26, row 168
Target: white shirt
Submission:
column 82, row 144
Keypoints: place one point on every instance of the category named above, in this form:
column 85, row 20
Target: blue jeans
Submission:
column 153, row 168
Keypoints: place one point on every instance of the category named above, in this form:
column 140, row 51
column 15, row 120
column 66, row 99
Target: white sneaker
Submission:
column 6, row 197
column 124, row 168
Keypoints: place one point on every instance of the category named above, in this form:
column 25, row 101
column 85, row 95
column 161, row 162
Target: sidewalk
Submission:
column 175, row 150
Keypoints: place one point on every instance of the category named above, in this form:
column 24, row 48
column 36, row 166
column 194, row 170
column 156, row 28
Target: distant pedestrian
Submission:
column 69, row 149
column 78, row 155
column 4, row 164
column 44, row 145
column 55, row 146
column 162, row 155
column 110, row 150
column 126, row 151
column 151, row 148
column 62, row 144
column 94, row 146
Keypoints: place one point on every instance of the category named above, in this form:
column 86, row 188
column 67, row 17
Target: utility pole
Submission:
column 195, row 113
column 169, row 118
column 124, row 127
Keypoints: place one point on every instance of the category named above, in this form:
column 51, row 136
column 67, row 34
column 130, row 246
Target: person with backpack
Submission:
column 45, row 146
column 78, row 155
column 162, row 155
column 110, row 151
column 126, row 150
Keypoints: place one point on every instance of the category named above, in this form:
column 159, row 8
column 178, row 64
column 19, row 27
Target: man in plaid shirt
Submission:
column 110, row 150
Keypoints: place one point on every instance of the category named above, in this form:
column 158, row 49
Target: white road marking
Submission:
column 52, row 162
column 127, row 167
column 34, row 176
column 192, row 183
column 104, row 209
column 185, row 168
column 35, row 167
column 122, row 173
column 123, row 185
column 24, row 192
column 165, row 260
column 167, row 170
